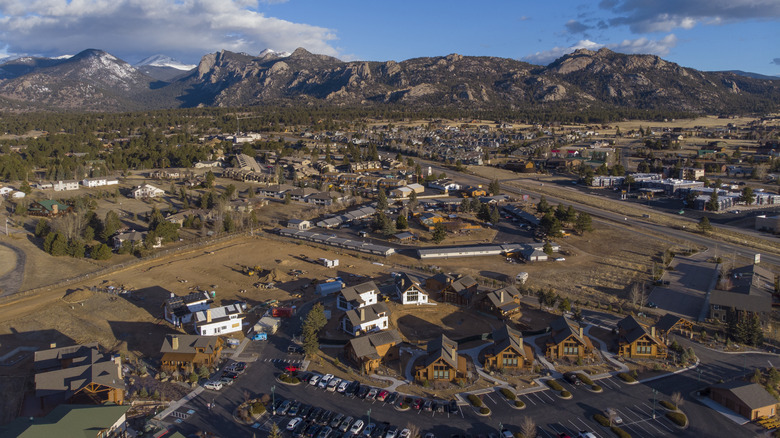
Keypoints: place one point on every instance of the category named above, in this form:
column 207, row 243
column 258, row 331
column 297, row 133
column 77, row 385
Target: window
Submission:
column 441, row 372
column 509, row 360
column 644, row 347
column 571, row 349
column 412, row 296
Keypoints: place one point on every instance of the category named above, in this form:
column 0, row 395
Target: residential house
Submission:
column 245, row 205
column 460, row 291
column 277, row 191
column 146, row 191
column 670, row 324
column 60, row 186
column 445, row 185
column 5, row 191
column 636, row 340
column 188, row 353
column 299, row 224
column 369, row 351
column 78, row 374
column 406, row 191
column 749, row 292
column 220, row 320
column 301, row 194
column 48, row 208
column 438, row 282
column 409, row 289
column 533, row 254
column 749, row 400
column 366, row 319
column 508, row 351
column 325, row 198
column 568, row 341
column 135, row 239
column 78, row 420
column 441, row 362
column 361, row 295
column 429, row 219
column 178, row 310
column 502, row 302
column 473, row 192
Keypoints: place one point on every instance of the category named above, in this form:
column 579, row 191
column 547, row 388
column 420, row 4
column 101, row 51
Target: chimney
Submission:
column 581, row 334
column 118, row 361
column 652, row 331
column 55, row 209
column 502, row 296
column 362, row 314
column 53, row 345
column 175, row 342
column 208, row 315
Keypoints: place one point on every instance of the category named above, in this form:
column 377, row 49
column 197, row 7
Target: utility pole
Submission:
column 273, row 401
column 655, row 391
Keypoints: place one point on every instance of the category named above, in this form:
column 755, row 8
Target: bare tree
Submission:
column 414, row 430
column 677, row 399
column 528, row 427
column 636, row 294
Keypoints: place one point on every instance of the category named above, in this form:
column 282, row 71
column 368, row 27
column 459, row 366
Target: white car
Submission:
column 406, row 433
column 212, row 384
column 342, row 386
column 333, row 384
column 314, row 379
column 324, row 380
column 357, row 427
column 294, row 423
column 613, row 415
column 584, row 434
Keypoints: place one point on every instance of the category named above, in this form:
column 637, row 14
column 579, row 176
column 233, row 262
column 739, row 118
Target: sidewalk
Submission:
column 609, row 357
column 474, row 354
column 395, row 383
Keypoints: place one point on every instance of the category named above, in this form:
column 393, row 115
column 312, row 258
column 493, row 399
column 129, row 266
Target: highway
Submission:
column 617, row 219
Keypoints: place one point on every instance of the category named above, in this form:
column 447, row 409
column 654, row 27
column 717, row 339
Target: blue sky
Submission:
column 703, row 34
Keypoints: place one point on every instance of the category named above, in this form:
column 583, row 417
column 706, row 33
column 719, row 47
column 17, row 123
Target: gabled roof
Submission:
column 752, row 395
column 504, row 298
column 369, row 313
column 462, row 285
column 365, row 346
column 67, row 421
column 404, row 281
column 352, row 294
column 189, row 344
column 219, row 313
column 632, row 330
column 751, row 290
column 69, row 369
column 442, row 348
column 667, row 322
column 505, row 337
column 561, row 328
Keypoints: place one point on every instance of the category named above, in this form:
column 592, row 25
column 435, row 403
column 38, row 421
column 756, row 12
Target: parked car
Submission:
column 585, row 434
column 214, row 385
column 352, row 388
column 323, row 383
column 382, row 395
column 343, row 386
column 294, row 408
column 370, row 427
column 333, row 384
column 325, row 417
column 405, row 433
column 563, row 435
column 305, row 411
column 230, row 375
column 283, row 408
column 572, row 378
column 325, row 432
column 438, row 407
column 417, row 405
column 506, row 433
column 346, row 424
column 294, row 349
column 357, row 427
column 392, row 432
column 429, row 435
column 226, row 381
column 334, row 423
column 612, row 414
column 372, row 394
column 428, row 406
column 453, row 407
column 363, row 391
column 314, row 379
column 294, row 423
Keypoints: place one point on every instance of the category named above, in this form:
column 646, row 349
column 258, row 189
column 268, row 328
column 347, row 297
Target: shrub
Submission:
column 258, row 408
column 584, row 379
column 626, row 377
column 519, row 404
column 403, row 406
column 602, row 420
column 668, row 405
column 476, row 401
column 554, row 385
column 508, row 394
column 620, row 432
column 565, row 394
column 484, row 410
column 143, row 393
column 596, row 388
column 677, row 418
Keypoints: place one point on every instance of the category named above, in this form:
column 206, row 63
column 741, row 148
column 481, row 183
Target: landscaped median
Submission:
column 478, row 406
column 604, row 421
column 288, row 379
column 555, row 386
column 627, row 378
column 511, row 398
column 585, row 379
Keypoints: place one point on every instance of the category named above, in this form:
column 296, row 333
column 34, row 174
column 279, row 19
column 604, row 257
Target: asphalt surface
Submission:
column 11, row 282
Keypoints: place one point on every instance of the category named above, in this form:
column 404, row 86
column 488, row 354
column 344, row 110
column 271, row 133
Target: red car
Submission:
column 382, row 395
column 418, row 404
column 563, row 435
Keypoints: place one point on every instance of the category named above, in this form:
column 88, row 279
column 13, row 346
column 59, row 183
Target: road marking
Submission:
column 540, row 399
column 490, row 398
column 658, row 418
column 548, row 396
column 529, row 399
column 649, row 420
column 585, row 426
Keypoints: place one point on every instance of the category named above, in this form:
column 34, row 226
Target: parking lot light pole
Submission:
column 500, row 427
column 273, row 400
column 655, row 391
column 369, row 417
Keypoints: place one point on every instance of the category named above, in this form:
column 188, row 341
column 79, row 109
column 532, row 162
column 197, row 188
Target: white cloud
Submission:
column 132, row 29
column 640, row 45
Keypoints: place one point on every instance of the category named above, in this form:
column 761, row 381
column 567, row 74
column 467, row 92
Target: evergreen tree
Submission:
column 495, row 187
column 747, row 196
column 381, row 200
column 111, row 224
column 495, row 215
column 88, row 234
column 101, row 251
column 755, row 334
column 550, row 225
column 548, row 248
column 155, row 218
column 209, row 182
column 42, row 228
column 439, row 233
column 314, row 322
column 543, row 206
column 59, row 246
column 227, row 223
column 583, row 223
column 76, row 248
column 401, row 222
column 704, row 225
column 713, row 204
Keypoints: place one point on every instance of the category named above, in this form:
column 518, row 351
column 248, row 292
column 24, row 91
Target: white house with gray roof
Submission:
column 361, row 295
column 220, row 320
column 366, row 319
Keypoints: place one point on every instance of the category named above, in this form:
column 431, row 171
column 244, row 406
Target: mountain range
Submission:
column 94, row 80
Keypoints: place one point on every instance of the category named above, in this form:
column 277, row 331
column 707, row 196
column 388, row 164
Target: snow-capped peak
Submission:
column 163, row 61
column 273, row 53
column 62, row 57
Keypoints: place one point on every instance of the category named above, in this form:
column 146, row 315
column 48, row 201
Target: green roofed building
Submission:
column 48, row 208
column 105, row 421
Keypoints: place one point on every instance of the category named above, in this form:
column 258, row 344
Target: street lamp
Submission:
column 500, row 427
column 273, row 400
column 655, row 391
column 369, row 417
